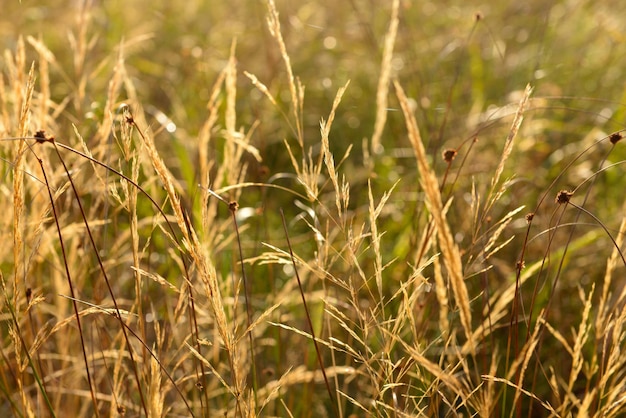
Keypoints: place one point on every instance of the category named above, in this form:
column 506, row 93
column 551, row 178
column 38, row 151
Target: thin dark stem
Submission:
column 191, row 302
column 170, row 227
column 71, row 287
column 28, row 356
column 106, row 280
column 546, row 313
column 608, row 233
column 232, row 206
column 521, row 259
column 194, row 323
column 307, row 314
column 148, row 350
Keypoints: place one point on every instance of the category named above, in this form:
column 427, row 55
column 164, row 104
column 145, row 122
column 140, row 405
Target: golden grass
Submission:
column 449, row 249
column 138, row 290
column 382, row 92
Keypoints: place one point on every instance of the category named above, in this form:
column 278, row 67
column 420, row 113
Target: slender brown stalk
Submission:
column 308, row 316
column 71, row 287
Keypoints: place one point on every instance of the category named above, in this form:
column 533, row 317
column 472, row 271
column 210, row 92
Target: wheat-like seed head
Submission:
column 449, row 249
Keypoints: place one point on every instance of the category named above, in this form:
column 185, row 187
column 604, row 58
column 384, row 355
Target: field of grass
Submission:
column 369, row 208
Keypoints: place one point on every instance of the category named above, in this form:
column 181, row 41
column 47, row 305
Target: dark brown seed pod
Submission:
column 41, row 137
column 448, row 155
column 563, row 197
column 615, row 137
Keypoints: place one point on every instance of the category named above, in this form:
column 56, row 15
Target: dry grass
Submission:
column 151, row 275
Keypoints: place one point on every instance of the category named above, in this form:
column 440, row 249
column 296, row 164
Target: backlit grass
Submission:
column 259, row 208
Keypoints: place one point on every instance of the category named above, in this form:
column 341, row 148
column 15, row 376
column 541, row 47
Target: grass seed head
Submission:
column 42, row 137
column 563, row 197
column 615, row 137
column 449, row 155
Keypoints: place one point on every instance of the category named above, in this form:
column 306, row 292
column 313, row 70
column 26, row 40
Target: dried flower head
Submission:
column 615, row 137
column 449, row 154
column 233, row 206
column 42, row 137
column 563, row 197
column 529, row 217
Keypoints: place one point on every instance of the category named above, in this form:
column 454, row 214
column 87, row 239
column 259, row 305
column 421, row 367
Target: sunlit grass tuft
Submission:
column 311, row 210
